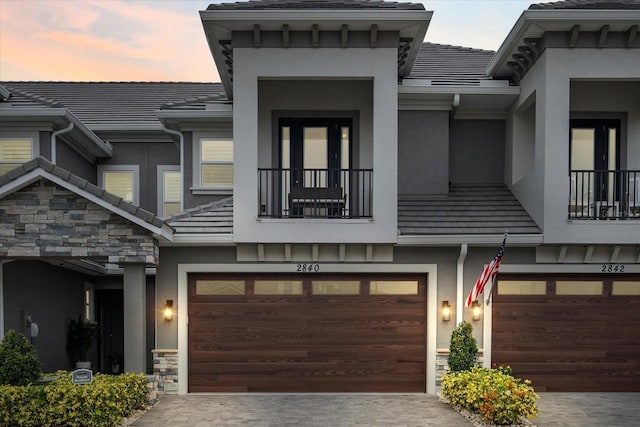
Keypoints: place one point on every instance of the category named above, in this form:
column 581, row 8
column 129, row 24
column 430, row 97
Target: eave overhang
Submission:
column 520, row 240
column 532, row 24
column 84, row 139
column 218, row 27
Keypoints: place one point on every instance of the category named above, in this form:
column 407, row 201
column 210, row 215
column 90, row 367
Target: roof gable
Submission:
column 40, row 168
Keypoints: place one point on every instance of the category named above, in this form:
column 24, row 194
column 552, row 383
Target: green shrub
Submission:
column 104, row 402
column 19, row 363
column 463, row 348
column 498, row 398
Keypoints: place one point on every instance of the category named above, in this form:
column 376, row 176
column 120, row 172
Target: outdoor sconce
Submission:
column 168, row 310
column 475, row 310
column 446, row 311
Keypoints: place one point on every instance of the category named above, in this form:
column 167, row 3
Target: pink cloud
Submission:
column 60, row 45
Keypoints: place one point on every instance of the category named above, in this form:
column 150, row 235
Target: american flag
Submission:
column 489, row 273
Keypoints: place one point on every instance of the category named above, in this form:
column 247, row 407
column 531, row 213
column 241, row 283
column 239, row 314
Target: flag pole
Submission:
column 493, row 279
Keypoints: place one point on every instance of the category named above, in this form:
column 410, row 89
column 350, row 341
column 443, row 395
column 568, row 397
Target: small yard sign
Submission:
column 82, row 376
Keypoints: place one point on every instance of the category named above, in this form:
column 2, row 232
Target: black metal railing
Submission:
column 315, row 193
column 604, row 194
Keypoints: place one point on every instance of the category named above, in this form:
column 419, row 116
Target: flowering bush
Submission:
column 498, row 397
column 505, row 369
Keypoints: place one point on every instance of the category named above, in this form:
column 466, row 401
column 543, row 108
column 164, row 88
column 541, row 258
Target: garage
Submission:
column 569, row 333
column 307, row 333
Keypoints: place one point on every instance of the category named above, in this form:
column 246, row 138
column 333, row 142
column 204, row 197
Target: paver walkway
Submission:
column 302, row 410
column 333, row 410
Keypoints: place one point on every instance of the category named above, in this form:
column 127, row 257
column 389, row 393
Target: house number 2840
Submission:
column 308, row 268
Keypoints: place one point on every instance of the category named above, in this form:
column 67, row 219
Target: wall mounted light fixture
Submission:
column 475, row 310
column 446, row 311
column 167, row 313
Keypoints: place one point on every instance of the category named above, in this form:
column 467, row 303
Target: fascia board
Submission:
column 194, row 114
column 461, row 90
column 471, row 239
column 341, row 16
column 570, row 17
column 102, row 147
column 200, row 240
column 30, row 177
column 128, row 127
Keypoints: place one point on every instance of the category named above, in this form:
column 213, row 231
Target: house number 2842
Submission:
column 308, row 268
column 612, row 268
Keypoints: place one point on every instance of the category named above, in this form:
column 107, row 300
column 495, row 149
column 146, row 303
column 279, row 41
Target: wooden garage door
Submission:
column 569, row 333
column 306, row 334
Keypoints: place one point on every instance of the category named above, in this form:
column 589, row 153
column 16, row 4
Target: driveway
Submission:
column 556, row 409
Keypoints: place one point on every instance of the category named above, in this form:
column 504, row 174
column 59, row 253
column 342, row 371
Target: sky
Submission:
column 163, row 40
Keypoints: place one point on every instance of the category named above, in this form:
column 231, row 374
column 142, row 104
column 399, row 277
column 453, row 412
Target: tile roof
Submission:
column 215, row 217
column 315, row 4
column 83, row 184
column 589, row 4
column 109, row 103
column 451, row 65
column 467, row 209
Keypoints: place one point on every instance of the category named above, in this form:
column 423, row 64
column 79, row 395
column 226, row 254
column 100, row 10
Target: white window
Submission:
column 14, row 152
column 121, row 180
column 213, row 168
column 169, row 191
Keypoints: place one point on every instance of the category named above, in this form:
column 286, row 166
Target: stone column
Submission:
column 135, row 343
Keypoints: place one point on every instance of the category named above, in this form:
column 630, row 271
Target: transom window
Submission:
column 14, row 152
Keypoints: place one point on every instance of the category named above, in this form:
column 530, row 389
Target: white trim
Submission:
column 431, row 270
column 122, row 168
column 36, row 174
column 161, row 169
column 199, row 239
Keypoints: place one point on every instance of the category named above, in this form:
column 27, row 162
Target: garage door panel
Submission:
column 311, row 343
column 569, row 342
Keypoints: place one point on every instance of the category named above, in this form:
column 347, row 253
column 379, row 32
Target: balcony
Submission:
column 315, row 193
column 604, row 195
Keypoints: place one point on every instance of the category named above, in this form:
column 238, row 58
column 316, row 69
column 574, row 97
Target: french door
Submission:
column 594, row 160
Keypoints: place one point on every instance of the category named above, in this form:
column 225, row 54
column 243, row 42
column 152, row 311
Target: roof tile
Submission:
column 315, row 4
column 589, row 4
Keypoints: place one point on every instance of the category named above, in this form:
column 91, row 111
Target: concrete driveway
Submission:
column 556, row 409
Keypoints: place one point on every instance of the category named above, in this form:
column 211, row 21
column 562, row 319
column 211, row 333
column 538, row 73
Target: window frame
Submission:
column 35, row 145
column 160, row 187
column 198, row 187
column 122, row 168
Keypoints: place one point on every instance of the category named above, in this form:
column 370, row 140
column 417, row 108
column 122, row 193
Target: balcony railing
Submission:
column 315, row 193
column 604, row 194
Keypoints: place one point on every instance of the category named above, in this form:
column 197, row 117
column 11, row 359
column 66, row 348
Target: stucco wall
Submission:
column 423, row 152
column 477, row 151
column 69, row 159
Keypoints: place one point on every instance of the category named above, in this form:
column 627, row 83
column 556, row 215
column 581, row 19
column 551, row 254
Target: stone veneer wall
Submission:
column 165, row 368
column 442, row 365
column 45, row 220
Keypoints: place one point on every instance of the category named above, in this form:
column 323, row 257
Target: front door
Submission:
column 594, row 158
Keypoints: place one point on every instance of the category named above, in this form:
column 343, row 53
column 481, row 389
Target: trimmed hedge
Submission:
column 104, row 402
column 19, row 363
column 499, row 398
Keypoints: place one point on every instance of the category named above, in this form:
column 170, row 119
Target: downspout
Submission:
column 54, row 142
column 181, row 137
column 460, row 283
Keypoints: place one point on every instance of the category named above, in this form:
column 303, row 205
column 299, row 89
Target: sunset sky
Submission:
column 163, row 40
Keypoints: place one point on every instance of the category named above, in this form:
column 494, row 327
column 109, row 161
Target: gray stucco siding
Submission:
column 70, row 160
column 477, row 151
column 423, row 152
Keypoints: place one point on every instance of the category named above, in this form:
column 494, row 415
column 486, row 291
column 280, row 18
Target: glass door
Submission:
column 594, row 164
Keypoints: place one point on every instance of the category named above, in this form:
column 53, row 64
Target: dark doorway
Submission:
column 109, row 314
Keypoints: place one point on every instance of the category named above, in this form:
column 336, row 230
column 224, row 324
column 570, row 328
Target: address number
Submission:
column 308, row 268
column 612, row 268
